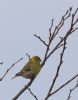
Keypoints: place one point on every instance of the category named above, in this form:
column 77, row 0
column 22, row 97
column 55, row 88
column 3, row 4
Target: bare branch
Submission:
column 68, row 33
column 50, row 29
column 61, row 23
column 10, row 68
column 57, row 72
column 66, row 83
column 68, row 13
column 71, row 90
column 56, row 31
column 22, row 90
column 58, row 44
column 40, row 39
column 62, row 42
column 75, row 29
column 75, row 12
column 33, row 94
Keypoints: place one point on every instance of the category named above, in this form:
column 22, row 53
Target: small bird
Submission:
column 31, row 69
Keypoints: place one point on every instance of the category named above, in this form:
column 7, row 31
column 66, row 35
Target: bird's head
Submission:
column 36, row 58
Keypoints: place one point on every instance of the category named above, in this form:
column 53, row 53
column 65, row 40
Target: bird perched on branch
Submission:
column 31, row 69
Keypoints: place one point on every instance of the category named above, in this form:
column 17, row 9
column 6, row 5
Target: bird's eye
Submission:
column 39, row 59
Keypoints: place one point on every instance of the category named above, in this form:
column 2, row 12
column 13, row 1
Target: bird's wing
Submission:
column 28, row 67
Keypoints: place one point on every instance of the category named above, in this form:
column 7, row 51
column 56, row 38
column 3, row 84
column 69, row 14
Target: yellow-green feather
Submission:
column 31, row 69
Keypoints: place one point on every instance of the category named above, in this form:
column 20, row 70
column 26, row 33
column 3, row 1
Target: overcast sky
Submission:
column 19, row 21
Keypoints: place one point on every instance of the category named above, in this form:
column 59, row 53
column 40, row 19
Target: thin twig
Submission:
column 40, row 39
column 57, row 72
column 71, row 90
column 60, row 45
column 10, row 68
column 66, row 83
column 33, row 94
column 70, row 31
column 56, row 30
column 61, row 23
column 56, row 47
column 50, row 29
column 28, row 56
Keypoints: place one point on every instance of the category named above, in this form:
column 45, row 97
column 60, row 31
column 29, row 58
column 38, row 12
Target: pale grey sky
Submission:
column 19, row 21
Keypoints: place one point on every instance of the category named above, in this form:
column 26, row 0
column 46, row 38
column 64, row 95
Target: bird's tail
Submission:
column 18, row 74
column 14, row 77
